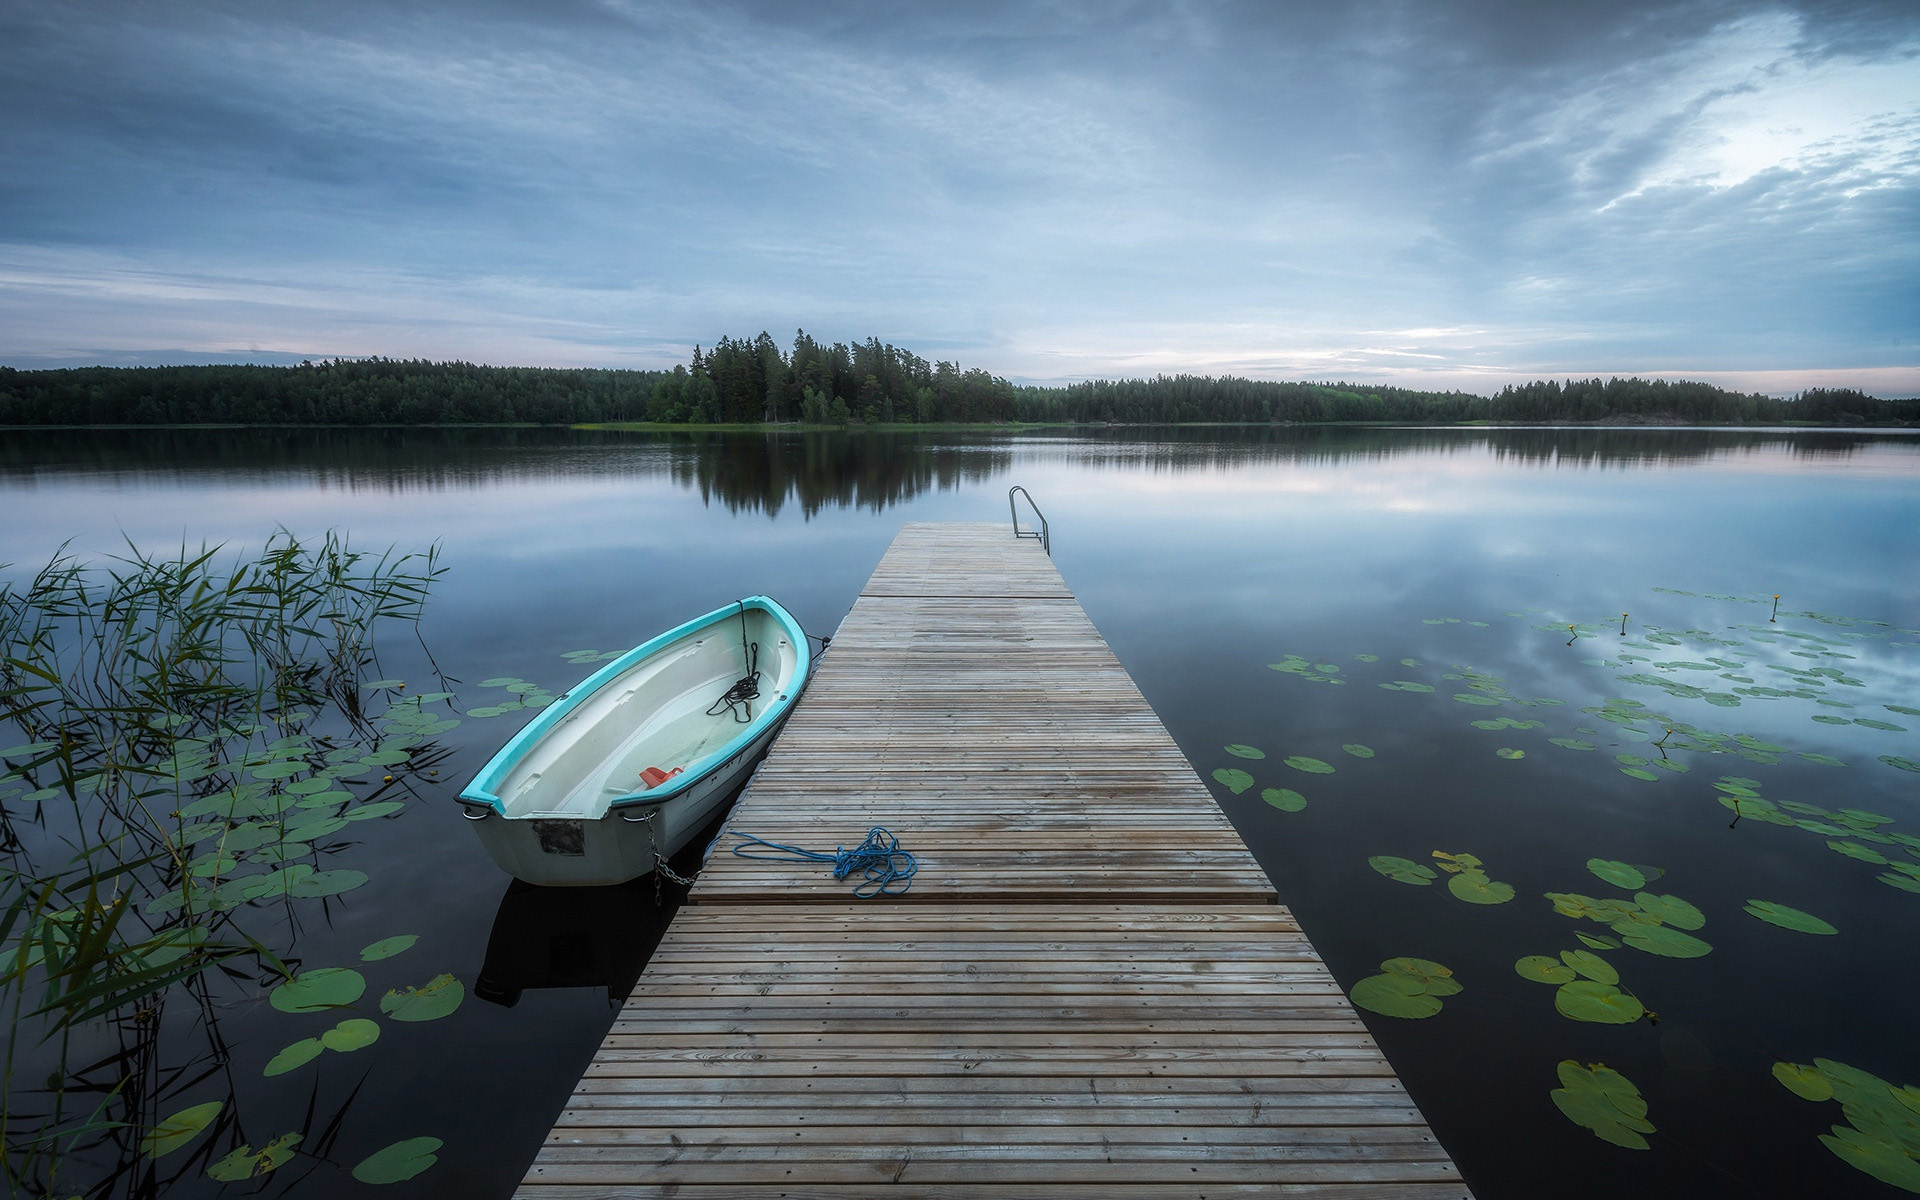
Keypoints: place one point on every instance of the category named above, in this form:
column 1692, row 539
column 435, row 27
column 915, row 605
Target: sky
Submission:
column 1437, row 195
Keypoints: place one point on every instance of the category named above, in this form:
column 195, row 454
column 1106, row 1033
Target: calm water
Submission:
column 1203, row 558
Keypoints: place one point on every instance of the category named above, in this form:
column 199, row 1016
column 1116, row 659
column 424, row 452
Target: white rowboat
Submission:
column 622, row 771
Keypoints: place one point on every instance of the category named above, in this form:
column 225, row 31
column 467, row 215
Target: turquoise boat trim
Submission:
column 482, row 791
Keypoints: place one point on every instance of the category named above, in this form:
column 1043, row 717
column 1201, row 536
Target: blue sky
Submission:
column 1437, row 195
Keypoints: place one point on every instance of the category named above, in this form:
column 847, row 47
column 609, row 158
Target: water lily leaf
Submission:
column 1236, row 781
column 1542, row 968
column 1476, row 888
column 320, row 800
column 244, row 1163
column 320, row 827
column 1861, row 816
column 1639, row 773
column 1905, row 883
column 388, row 947
column 1590, row 965
column 1855, row 850
column 1905, row 764
column 179, row 1129
column 351, row 1034
column 1240, row 751
column 280, row 769
column 1875, row 723
column 1620, row 874
column 1509, row 752
column 1571, row 743
column 1598, row 943
column 1663, row 940
column 1604, row 1101
column 367, row 812
column 400, row 1161
column 1882, row 1160
column 1403, row 870
column 1407, row 685
column 327, row 883
column 1600, row 1003
column 430, row 1002
column 1824, row 760
column 1788, row 918
column 1803, row 1081
column 1435, row 979
column 1475, row 698
column 501, row 681
column 1357, row 750
column 1311, row 766
column 1394, row 996
column 299, row 1054
column 378, row 684
column 385, row 758
column 317, row 990
column 1284, row 799
column 1670, row 910
column 1376, row 658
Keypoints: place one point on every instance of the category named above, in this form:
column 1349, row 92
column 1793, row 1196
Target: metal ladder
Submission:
column 1044, row 537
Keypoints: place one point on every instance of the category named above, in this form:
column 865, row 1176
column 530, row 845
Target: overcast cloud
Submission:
column 1443, row 195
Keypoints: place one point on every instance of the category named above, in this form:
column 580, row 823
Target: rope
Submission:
column 879, row 861
column 739, row 698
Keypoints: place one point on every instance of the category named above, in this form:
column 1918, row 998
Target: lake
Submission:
column 1555, row 655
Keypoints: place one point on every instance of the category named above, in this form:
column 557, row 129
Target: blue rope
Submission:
column 879, row 861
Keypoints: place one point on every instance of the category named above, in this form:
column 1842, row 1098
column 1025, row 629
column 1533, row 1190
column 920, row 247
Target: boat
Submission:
column 624, row 769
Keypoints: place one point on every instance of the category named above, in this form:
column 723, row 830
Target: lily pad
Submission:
column 1311, row 766
column 1242, row 751
column 351, row 1034
column 1571, row 743
column 1597, row 943
column 1543, row 968
column 367, row 812
column 400, row 1161
column 1604, row 1101
column 1509, row 752
column 1404, row 870
column 1475, row 698
column 1357, row 750
column 1284, row 799
column 1590, row 965
column 1663, row 940
column 388, row 947
column 1620, row 874
column 318, row 990
column 1670, row 910
column 1904, row 764
column 179, row 1129
column 244, row 1163
column 1600, row 1003
column 1436, row 979
column 298, row 1055
column 437, row 998
column 1234, row 779
column 1788, row 918
column 1803, row 1081
column 1394, row 996
column 1476, row 888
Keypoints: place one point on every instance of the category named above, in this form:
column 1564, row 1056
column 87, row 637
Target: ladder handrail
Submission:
column 1043, row 534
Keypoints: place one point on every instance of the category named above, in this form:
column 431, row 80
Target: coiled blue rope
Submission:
column 879, row 861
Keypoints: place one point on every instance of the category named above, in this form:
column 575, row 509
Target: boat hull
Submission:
column 630, row 765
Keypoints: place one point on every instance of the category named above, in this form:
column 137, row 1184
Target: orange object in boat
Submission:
column 653, row 777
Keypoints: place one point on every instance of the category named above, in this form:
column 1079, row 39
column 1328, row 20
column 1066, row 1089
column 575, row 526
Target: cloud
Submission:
column 1066, row 189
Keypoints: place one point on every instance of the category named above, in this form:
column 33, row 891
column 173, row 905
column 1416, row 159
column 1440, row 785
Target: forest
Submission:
column 741, row 381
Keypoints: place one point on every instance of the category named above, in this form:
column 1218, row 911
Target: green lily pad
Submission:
column 388, row 947
column 1597, row 943
column 351, row 1034
column 244, row 1163
column 1905, row 883
column 1509, row 752
column 1357, row 750
column 1620, row 874
column 177, row 1130
column 298, row 1055
column 1604, row 1101
column 1404, row 870
column 1875, row 723
column 1240, row 751
column 1475, row 888
column 1311, row 766
column 1824, row 760
column 1571, row 743
column 1543, row 968
column 1407, row 685
column 1394, row 996
column 1284, row 799
column 385, row 758
column 1434, row 978
column 430, row 1002
column 1639, row 773
column 1788, row 918
column 1855, row 850
column 400, row 1161
column 318, row 990
column 1670, row 910
column 1885, row 1161
column 327, row 883
column 1235, row 780
column 1590, row 965
column 368, row 812
column 1475, row 698
column 1663, row 940
column 1600, row 1003
column 1904, row 764
column 1803, row 1081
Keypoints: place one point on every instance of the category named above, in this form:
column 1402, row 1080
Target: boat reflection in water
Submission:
column 571, row 937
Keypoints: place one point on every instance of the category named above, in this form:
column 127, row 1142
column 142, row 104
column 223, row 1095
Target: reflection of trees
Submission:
column 754, row 473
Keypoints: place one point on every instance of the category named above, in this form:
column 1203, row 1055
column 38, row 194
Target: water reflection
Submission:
column 598, row 937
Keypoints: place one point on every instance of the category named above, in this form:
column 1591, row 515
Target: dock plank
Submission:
column 1090, row 990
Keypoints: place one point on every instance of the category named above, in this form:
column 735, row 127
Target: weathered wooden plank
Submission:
column 1089, row 991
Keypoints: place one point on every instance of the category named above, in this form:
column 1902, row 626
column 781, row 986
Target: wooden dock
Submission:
column 1089, row 991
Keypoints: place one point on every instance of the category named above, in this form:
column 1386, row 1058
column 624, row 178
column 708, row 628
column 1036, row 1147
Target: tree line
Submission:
column 752, row 381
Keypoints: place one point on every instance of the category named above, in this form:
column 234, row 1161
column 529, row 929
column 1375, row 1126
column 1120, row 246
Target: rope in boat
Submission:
column 739, row 698
column 879, row 861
